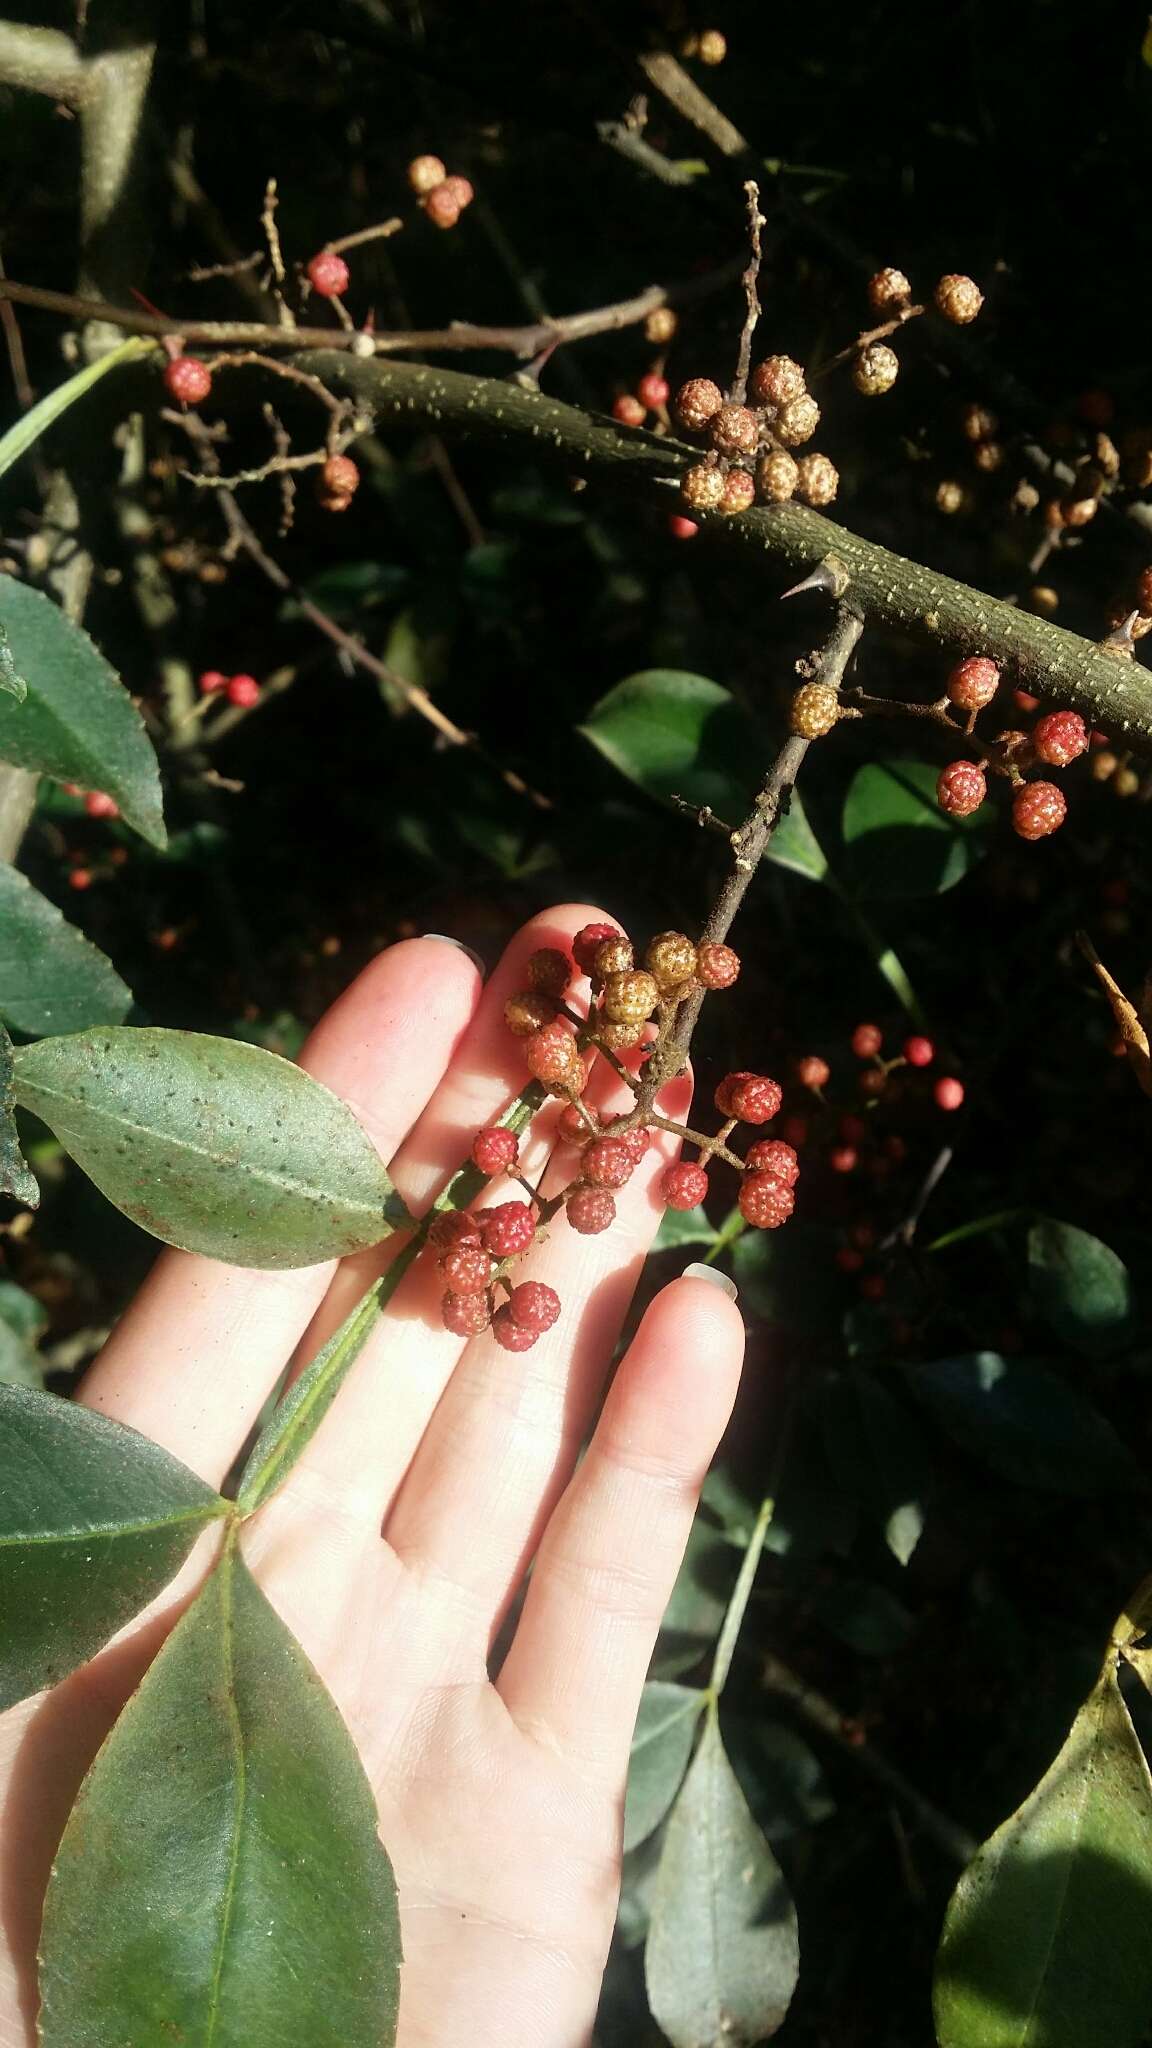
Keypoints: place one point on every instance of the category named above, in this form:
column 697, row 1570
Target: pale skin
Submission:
column 398, row 1543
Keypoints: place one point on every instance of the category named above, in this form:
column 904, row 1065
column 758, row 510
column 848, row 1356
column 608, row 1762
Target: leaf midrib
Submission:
column 227, row 1567
column 109, row 1532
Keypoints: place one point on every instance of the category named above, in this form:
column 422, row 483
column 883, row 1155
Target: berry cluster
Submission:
column 750, row 455
column 472, row 1251
column 1056, row 739
column 241, row 690
column 917, row 1051
column 442, row 196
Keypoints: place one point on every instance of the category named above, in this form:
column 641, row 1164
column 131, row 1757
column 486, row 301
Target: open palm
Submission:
column 394, row 1550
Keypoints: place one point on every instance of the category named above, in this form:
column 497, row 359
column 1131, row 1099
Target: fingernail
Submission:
column 714, row 1277
column 444, row 939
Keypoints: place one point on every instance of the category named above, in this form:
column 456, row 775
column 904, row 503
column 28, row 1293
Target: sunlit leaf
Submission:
column 1079, row 1286
column 16, row 1176
column 52, row 978
column 899, row 841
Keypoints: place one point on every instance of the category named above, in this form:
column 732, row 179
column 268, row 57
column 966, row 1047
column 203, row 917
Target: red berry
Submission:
column 451, row 1227
column 948, row 1092
column 753, row 1098
column 681, row 528
column 765, row 1202
column 961, row 788
column 628, row 410
column 571, row 1128
column 80, row 878
column 188, row 380
column 973, row 683
column 697, row 402
column 843, row 1158
column 461, row 189
column 590, row 1210
column 510, row 1335
column 328, row 274
column 813, row 1072
column 586, row 941
column 212, row 682
column 772, row 1155
column 506, row 1230
column 1038, row 809
column 534, row 1305
column 551, row 1057
column 243, row 690
column 1060, row 737
column 919, row 1052
column 442, row 206
column 637, row 1141
column 608, row 1163
column 98, row 805
column 340, row 476
column 467, row 1268
column 716, row 966
column 652, row 391
column 495, row 1149
column 684, row 1186
column 466, row 1314
column 866, row 1041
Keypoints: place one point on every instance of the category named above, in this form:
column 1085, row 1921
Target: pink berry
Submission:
column 716, row 966
column 681, row 528
column 919, row 1052
column 551, row 1057
column 637, row 1141
column 1038, row 809
column 495, row 1150
column 948, row 1092
column 590, row 1210
column 684, row 1186
column 628, row 410
column 961, row 788
column 453, row 1226
column 765, row 1202
column 1060, row 737
column 442, row 206
column 328, row 274
column 467, row 1268
column 973, row 683
column 813, row 1072
column 212, row 681
column 98, row 805
column 652, row 391
column 461, row 190
column 843, row 1158
column 243, row 690
column 510, row 1335
column 772, row 1155
column 80, row 878
column 188, row 380
column 571, row 1128
column 466, row 1314
column 587, row 940
column 506, row 1230
column 753, row 1098
column 607, row 1163
column 534, row 1305
column 866, row 1041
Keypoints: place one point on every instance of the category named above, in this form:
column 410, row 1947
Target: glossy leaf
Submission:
column 1024, row 1423
column 661, row 1746
column 16, row 1176
column 1079, row 1286
column 221, row 1878
column 94, row 1519
column 77, row 722
column 52, row 978
column 212, row 1145
column 1045, row 1943
column 900, row 842
column 722, row 1955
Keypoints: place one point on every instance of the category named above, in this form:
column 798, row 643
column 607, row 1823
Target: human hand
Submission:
column 399, row 1540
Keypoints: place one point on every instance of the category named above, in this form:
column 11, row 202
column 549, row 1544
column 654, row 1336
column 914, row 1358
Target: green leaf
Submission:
column 16, row 1176
column 1045, row 1944
column 1024, row 1423
column 78, row 722
column 722, row 1956
column 52, row 978
column 901, row 843
column 695, row 1611
column 683, row 1226
column 879, row 1454
column 10, row 681
column 26, row 431
column 22, row 1322
column 661, row 1747
column 221, row 1878
column 1079, row 1286
column 212, row 1145
column 94, row 1519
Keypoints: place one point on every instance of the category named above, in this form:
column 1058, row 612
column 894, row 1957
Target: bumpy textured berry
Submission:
column 1038, row 809
column 453, row 1227
column 507, row 1230
column 636, row 1141
column 328, row 274
column 652, row 391
column 212, row 682
column 339, row 477
column 467, row 1268
column 711, row 46
column 188, row 380
column 797, row 421
column 587, row 939
column 702, row 488
column 948, row 1092
column 888, row 288
column 99, row 804
column 866, row 1041
column 660, row 326
column 716, row 966
column 461, row 190
column 529, row 1011
column 683, row 1186
column 813, row 1072
column 510, row 1335
column 495, row 1149
column 549, row 970
column 734, row 430
column 424, row 174
column 764, row 1201
column 534, row 1305
column 590, row 1210
column 244, row 691
column 751, row 1097
column 817, row 480
column 959, row 299
column 739, row 493
column 466, row 1315
column 961, row 788
column 442, row 206
column 815, row 709
column 552, row 1058
column 613, row 955
column 1060, row 737
column 973, row 683
column 919, row 1051
column 697, row 402
column 619, row 1037
column 607, row 1163
column 774, row 1156
column 628, row 410
column 571, row 1128
column 777, row 476
column 630, row 998
column 670, row 959
column 777, row 381
column 876, row 369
